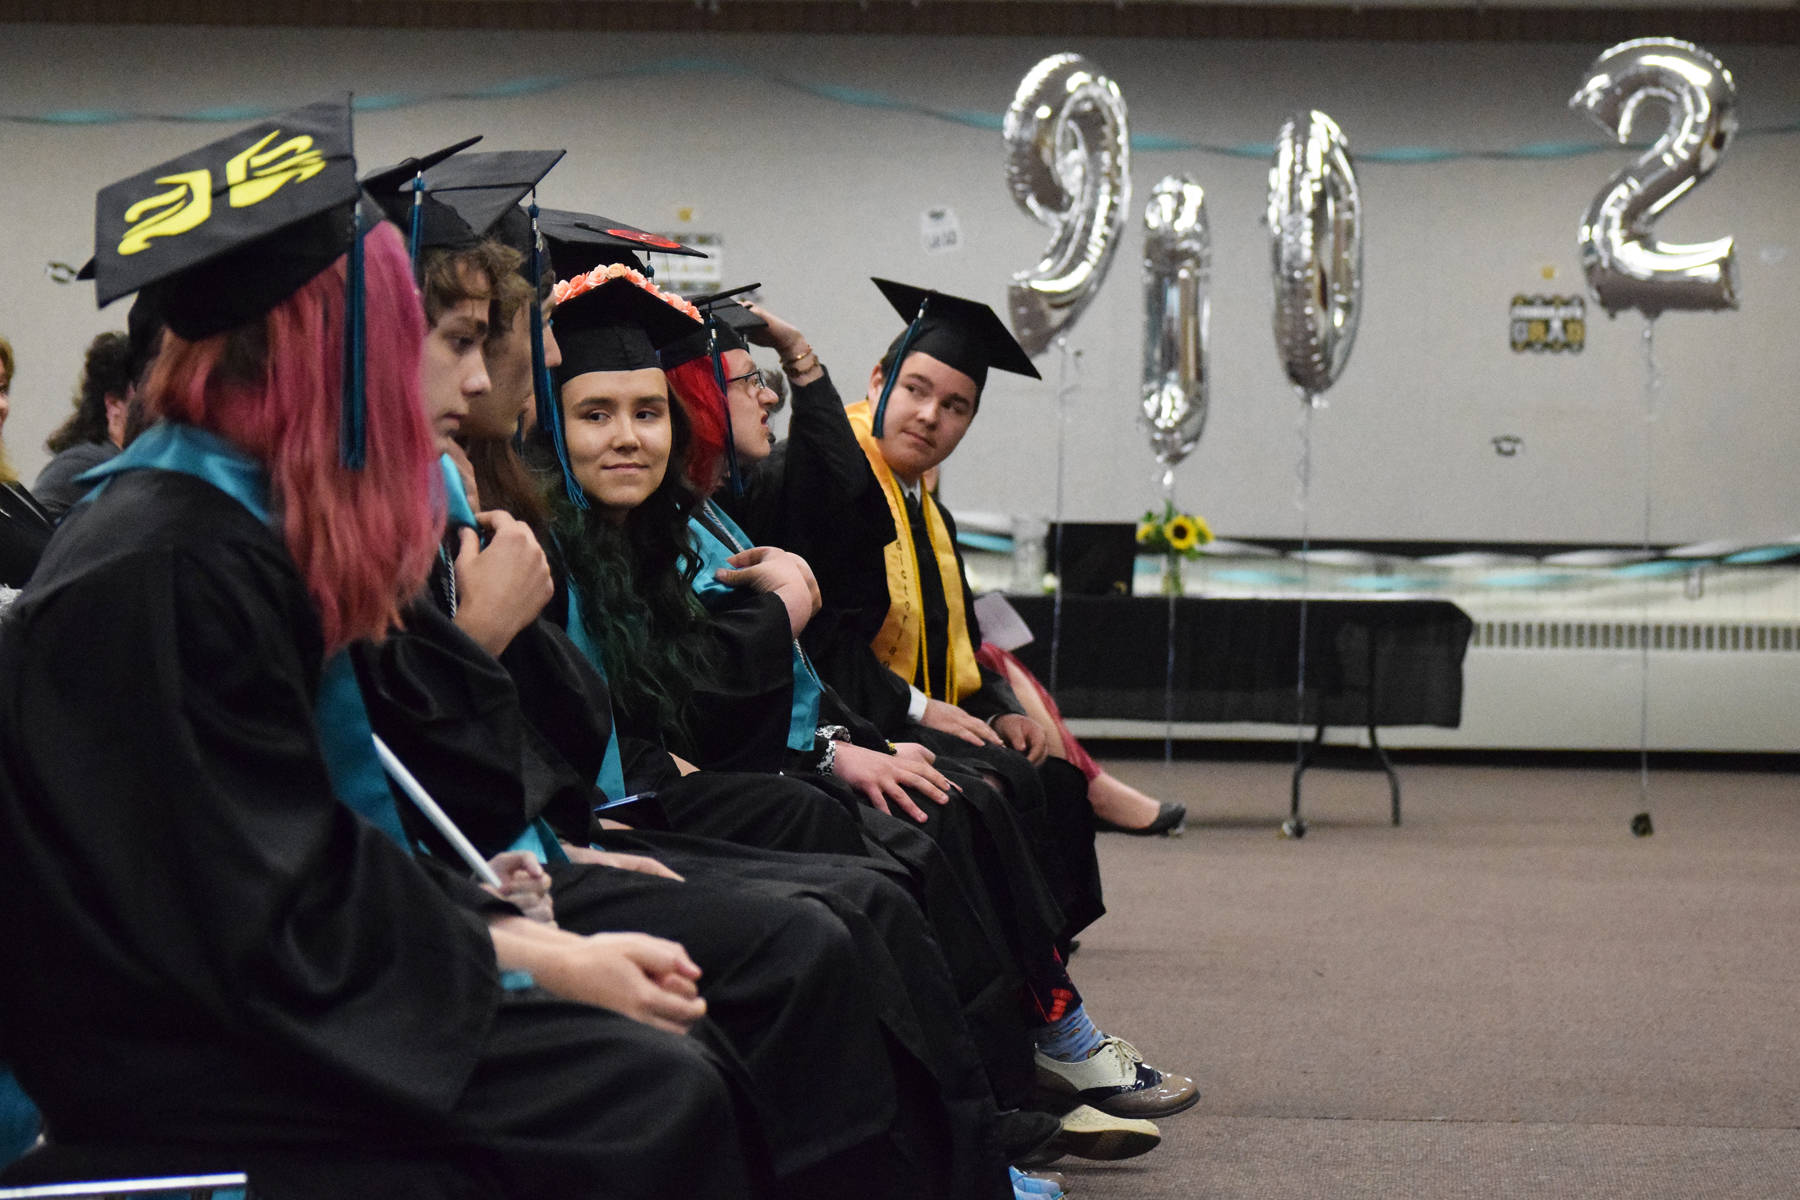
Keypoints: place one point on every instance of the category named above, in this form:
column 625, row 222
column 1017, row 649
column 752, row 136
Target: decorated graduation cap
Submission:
column 406, row 197
column 610, row 319
column 726, row 323
column 579, row 242
column 964, row 334
column 217, row 237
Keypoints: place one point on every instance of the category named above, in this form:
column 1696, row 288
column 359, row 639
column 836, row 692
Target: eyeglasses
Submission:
column 758, row 381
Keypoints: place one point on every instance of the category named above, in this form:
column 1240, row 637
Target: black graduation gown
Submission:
column 771, row 965
column 206, row 952
column 817, row 497
column 25, row 529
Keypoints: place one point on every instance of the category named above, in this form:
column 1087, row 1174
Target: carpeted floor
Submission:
column 1507, row 996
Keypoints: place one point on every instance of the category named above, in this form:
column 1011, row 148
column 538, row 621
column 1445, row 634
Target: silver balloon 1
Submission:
column 1068, row 163
column 1626, row 266
column 1177, row 260
column 1315, row 224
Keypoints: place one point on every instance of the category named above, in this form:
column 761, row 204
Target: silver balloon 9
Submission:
column 1315, row 223
column 1177, row 260
column 1068, row 163
column 1626, row 266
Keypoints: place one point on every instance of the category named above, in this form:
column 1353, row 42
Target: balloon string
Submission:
column 1304, row 500
column 1169, row 664
column 1652, row 384
column 1064, row 387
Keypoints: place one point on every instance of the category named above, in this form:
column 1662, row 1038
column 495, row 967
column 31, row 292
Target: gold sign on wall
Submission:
column 1551, row 323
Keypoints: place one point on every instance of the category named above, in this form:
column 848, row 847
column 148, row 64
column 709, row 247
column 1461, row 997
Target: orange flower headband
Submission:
column 568, row 289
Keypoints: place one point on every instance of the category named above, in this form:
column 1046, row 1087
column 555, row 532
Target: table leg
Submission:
column 1393, row 776
column 1294, row 826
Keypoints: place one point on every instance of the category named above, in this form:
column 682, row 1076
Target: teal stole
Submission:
column 612, row 772
column 704, row 534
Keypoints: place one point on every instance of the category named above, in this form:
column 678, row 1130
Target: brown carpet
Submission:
column 1507, row 996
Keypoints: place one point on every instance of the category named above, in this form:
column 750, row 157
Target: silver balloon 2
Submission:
column 1068, row 164
column 1626, row 266
column 1315, row 226
column 1177, row 265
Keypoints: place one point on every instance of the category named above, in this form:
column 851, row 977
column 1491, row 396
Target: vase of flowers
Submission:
column 1176, row 536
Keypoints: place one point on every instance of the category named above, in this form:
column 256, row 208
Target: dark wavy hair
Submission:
column 108, row 370
column 635, row 582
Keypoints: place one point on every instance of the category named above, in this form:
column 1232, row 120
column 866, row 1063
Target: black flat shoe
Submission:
column 1171, row 821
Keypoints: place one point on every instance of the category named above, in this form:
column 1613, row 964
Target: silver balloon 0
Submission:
column 1626, row 266
column 1177, row 261
column 1315, row 224
column 1068, row 163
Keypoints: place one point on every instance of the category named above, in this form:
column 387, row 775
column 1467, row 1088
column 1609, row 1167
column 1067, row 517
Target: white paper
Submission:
column 1001, row 623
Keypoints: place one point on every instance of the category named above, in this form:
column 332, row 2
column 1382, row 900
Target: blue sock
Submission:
column 1032, row 1189
column 1072, row 1038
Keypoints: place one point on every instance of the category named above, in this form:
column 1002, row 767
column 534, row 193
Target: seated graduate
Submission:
column 626, row 444
column 816, row 494
column 771, row 962
column 25, row 525
column 220, row 954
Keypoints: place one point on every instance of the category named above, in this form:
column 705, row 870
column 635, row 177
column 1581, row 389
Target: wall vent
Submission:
column 1631, row 635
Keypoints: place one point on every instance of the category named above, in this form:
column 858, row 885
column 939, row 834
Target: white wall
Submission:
column 812, row 196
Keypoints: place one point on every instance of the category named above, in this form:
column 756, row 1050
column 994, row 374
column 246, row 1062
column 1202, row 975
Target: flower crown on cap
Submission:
column 568, row 289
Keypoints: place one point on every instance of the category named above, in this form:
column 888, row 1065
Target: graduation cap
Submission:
column 611, row 319
column 579, row 242
column 484, row 188
column 964, row 334
column 403, row 194
column 219, row 236
column 726, row 322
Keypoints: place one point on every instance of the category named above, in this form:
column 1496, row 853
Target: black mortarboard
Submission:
column 616, row 324
column 217, row 237
column 579, row 242
column 965, row 334
column 405, row 194
column 483, row 188
column 228, row 231
column 726, row 323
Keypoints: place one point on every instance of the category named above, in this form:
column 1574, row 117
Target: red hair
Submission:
column 363, row 540
column 698, row 393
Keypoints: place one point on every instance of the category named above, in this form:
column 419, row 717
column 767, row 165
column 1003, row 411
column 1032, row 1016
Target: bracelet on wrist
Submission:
column 800, row 364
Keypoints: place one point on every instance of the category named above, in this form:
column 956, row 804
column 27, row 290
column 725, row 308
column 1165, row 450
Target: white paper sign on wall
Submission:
column 939, row 231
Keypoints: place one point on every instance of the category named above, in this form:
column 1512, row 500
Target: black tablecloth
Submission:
column 1372, row 662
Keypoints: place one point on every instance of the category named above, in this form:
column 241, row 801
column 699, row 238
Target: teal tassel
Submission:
column 893, row 371
column 352, row 431
column 718, row 366
column 549, row 411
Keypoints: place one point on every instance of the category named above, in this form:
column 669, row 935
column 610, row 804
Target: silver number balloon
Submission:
column 1177, row 260
column 1068, row 163
column 1626, row 266
column 1315, row 224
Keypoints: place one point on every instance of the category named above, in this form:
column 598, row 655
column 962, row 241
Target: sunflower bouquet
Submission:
column 1174, row 535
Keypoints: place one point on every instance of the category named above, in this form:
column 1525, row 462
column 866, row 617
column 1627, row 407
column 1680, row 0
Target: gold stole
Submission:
column 901, row 642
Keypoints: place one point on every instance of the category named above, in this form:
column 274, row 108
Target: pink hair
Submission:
column 363, row 540
column 699, row 396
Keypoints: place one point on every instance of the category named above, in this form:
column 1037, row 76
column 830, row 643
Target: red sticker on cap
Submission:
column 647, row 239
